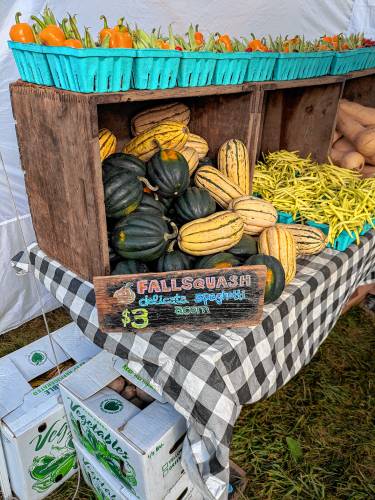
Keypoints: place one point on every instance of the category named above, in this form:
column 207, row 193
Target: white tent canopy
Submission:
column 19, row 300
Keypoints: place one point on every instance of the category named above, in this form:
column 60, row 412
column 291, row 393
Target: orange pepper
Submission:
column 225, row 39
column 257, row 46
column 198, row 37
column 117, row 37
column 105, row 30
column 162, row 44
column 123, row 39
column 73, row 43
column 21, row 32
column 52, row 35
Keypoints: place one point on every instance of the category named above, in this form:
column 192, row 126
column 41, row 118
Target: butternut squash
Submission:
column 362, row 138
column 370, row 160
column 362, row 114
column 348, row 159
column 344, row 145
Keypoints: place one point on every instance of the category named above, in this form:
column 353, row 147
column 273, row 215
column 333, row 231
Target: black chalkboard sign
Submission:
column 212, row 298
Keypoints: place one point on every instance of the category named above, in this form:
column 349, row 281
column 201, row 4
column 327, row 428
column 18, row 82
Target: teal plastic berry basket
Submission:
column 260, row 66
column 344, row 239
column 91, row 70
column 156, row 69
column 196, row 69
column 348, row 60
column 370, row 61
column 230, row 68
column 285, row 217
column 298, row 65
column 31, row 63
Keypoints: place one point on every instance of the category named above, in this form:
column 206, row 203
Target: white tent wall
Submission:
column 19, row 301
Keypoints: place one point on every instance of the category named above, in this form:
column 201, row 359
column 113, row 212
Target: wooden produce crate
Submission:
column 57, row 135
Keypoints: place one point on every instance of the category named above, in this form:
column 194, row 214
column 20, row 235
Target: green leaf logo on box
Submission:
column 111, row 405
column 98, row 441
column 46, row 470
column 37, row 358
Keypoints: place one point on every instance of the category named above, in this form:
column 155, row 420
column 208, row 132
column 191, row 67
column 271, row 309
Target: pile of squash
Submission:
column 353, row 143
column 170, row 207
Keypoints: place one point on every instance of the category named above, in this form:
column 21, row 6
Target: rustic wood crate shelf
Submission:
column 57, row 134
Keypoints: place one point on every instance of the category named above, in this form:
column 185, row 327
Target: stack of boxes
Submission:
column 36, row 441
column 128, row 447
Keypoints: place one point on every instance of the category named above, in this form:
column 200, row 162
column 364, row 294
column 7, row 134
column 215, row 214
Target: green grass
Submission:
column 313, row 439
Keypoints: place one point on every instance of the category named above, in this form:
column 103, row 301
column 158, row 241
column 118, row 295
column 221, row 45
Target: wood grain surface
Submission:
column 196, row 299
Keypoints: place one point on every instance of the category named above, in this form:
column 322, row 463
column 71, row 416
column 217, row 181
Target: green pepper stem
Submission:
column 39, row 22
column 104, row 19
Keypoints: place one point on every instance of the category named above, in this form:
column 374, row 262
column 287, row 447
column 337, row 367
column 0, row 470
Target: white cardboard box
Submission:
column 142, row 448
column 108, row 487
column 34, row 432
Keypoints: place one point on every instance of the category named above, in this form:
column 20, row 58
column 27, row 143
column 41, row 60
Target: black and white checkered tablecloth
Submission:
column 208, row 375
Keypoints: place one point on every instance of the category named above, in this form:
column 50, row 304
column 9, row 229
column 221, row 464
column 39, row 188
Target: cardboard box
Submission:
column 141, row 448
column 35, row 435
column 107, row 486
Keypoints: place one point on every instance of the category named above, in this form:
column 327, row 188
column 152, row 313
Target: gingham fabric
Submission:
column 208, row 375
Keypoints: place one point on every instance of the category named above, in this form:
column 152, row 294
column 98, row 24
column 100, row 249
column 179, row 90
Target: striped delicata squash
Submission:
column 309, row 240
column 278, row 242
column 174, row 111
column 192, row 158
column 166, row 135
column 233, row 161
column 198, row 143
column 257, row 214
column 216, row 233
column 222, row 189
column 107, row 143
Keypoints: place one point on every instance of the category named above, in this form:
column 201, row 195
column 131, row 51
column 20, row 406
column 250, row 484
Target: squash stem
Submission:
column 147, row 184
column 173, row 235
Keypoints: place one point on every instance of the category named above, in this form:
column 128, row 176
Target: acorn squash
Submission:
column 195, row 203
column 174, row 260
column 150, row 205
column 130, row 267
column 169, row 172
column 123, row 161
column 123, row 192
column 142, row 237
column 244, row 248
column 275, row 277
column 220, row 260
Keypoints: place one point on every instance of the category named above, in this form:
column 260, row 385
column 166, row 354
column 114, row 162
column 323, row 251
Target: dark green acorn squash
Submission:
column 142, row 237
column 123, row 192
column 247, row 246
column 150, row 205
column 169, row 171
column 174, row 260
column 220, row 260
column 194, row 203
column 130, row 267
column 123, row 161
column 275, row 279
